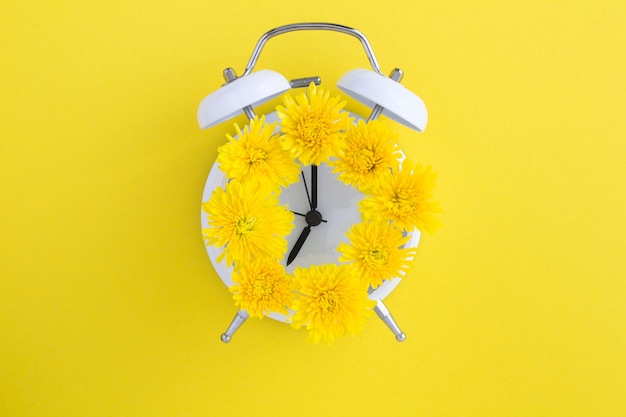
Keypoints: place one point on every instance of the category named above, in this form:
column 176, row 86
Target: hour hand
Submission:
column 298, row 245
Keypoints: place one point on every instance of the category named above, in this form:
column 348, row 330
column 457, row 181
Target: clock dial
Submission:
column 337, row 204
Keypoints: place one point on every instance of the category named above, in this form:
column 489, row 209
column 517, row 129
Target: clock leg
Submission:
column 238, row 320
column 383, row 313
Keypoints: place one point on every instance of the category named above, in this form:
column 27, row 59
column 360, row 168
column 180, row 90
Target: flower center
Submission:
column 329, row 300
column 377, row 255
column 366, row 161
column 263, row 287
column 244, row 226
column 402, row 203
column 313, row 130
column 256, row 155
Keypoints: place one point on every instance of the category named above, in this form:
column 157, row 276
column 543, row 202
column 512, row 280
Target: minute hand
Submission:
column 313, row 187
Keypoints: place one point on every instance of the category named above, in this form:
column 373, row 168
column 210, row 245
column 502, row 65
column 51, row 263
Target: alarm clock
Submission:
column 323, row 207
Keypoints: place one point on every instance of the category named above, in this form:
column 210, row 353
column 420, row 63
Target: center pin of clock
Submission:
column 313, row 218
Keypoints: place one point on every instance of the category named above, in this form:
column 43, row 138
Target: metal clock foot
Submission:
column 383, row 313
column 238, row 320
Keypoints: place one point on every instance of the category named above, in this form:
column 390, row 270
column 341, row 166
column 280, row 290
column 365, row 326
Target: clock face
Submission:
column 338, row 205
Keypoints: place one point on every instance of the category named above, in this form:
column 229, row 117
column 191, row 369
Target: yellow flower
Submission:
column 371, row 150
column 375, row 248
column 404, row 196
column 330, row 300
column 313, row 125
column 256, row 155
column 261, row 286
column 247, row 222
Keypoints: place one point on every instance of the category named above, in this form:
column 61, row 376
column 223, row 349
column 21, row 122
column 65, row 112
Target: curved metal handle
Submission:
column 311, row 26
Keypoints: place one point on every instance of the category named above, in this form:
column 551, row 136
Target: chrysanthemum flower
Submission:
column 375, row 248
column 261, row 287
column 404, row 196
column 247, row 222
column 313, row 125
column 371, row 150
column 256, row 155
column 330, row 300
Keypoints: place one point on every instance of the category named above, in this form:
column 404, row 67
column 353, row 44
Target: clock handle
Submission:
column 311, row 26
column 238, row 320
column 383, row 313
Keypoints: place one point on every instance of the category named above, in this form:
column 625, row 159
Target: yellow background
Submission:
column 109, row 305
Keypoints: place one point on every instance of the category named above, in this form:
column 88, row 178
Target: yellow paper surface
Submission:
column 109, row 305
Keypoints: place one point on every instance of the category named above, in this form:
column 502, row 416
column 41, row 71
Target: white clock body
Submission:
column 338, row 204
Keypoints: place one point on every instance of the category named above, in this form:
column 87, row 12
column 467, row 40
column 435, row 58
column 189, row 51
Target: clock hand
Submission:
column 308, row 197
column 313, row 187
column 298, row 245
column 304, row 215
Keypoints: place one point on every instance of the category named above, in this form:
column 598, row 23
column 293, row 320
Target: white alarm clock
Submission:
column 324, row 208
